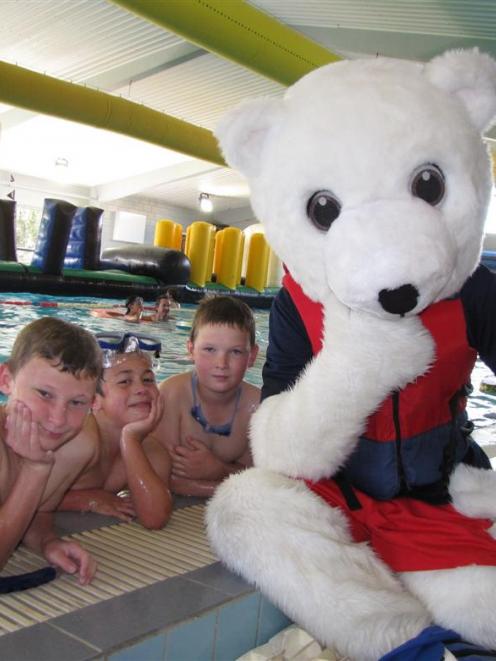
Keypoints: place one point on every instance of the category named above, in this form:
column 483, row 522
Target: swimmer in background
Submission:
column 164, row 303
column 134, row 310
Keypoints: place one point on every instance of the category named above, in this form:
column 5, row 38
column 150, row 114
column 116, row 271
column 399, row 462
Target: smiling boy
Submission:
column 207, row 411
column 50, row 380
column 126, row 412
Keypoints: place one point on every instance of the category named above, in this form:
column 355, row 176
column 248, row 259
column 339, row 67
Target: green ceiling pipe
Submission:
column 237, row 31
column 43, row 94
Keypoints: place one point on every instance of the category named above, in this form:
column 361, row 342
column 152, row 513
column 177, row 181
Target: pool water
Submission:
column 18, row 309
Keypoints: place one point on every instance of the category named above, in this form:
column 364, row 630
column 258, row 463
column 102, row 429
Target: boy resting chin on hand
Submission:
column 125, row 414
column 50, row 380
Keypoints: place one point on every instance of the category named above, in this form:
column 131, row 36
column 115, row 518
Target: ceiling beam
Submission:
column 239, row 32
column 132, row 185
column 142, row 67
column 50, row 96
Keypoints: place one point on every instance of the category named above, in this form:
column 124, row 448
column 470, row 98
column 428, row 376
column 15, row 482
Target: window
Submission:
column 27, row 227
column 129, row 227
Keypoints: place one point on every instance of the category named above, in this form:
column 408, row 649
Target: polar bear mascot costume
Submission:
column 373, row 183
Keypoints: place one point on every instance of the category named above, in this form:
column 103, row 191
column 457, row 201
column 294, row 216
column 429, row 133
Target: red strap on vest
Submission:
column 311, row 312
column 424, row 403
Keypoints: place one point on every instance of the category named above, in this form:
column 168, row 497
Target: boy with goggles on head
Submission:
column 207, row 411
column 46, row 437
column 126, row 412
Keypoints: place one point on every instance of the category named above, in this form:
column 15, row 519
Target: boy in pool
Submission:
column 164, row 303
column 125, row 413
column 207, row 411
column 134, row 310
column 50, row 379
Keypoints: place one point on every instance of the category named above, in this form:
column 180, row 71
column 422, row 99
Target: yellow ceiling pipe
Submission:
column 47, row 95
column 237, row 31
column 231, row 28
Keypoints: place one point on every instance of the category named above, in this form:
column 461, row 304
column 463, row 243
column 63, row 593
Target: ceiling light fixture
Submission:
column 61, row 162
column 205, row 203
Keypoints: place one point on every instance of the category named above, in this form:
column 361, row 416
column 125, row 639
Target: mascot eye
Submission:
column 323, row 209
column 428, row 184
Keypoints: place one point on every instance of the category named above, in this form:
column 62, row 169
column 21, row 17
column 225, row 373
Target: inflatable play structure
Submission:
column 229, row 260
column 67, row 259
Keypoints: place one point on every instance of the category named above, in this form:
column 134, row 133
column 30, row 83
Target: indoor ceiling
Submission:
column 104, row 46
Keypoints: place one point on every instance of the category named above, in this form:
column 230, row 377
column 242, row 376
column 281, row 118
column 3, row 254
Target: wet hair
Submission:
column 69, row 347
column 170, row 293
column 227, row 310
column 164, row 294
column 131, row 300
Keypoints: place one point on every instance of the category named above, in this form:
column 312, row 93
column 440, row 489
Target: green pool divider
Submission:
column 12, row 267
column 113, row 275
column 110, row 275
column 214, row 287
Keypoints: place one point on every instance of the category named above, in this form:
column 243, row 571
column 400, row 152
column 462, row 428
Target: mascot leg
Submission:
column 463, row 599
column 473, row 491
column 279, row 535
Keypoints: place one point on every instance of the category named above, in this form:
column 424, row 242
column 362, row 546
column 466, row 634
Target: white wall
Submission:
column 153, row 209
column 32, row 192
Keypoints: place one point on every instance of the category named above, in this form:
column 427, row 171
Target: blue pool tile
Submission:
column 151, row 649
column 237, row 628
column 192, row 641
column 146, row 611
column 271, row 621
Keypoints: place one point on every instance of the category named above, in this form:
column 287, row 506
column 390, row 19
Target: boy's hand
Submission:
column 23, row 435
column 141, row 428
column 111, row 504
column 72, row 558
column 195, row 461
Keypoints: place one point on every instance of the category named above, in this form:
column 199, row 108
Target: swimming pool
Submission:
column 18, row 309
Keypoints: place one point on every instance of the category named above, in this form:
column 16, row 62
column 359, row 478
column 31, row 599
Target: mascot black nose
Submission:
column 400, row 300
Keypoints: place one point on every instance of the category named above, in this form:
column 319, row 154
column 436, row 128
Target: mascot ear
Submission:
column 471, row 76
column 243, row 132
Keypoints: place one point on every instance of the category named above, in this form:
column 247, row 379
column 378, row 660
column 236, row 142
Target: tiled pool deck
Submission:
column 206, row 614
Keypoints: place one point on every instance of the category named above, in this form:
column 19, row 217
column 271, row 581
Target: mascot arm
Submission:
column 311, row 430
column 473, row 491
column 289, row 349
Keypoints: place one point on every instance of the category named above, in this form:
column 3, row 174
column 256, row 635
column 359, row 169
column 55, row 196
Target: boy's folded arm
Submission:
column 69, row 556
column 184, row 486
column 40, row 532
column 148, row 468
column 20, row 506
column 98, row 501
column 195, row 461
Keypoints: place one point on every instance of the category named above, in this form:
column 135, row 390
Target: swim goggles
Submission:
column 115, row 344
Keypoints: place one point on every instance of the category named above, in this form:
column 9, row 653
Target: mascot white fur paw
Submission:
column 373, row 183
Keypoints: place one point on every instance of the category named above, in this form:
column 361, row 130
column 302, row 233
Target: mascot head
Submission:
column 371, row 177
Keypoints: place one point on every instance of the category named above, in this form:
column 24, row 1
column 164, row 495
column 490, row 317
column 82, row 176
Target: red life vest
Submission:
column 420, row 432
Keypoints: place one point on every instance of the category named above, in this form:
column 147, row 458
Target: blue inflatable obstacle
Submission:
column 67, row 258
column 84, row 244
column 53, row 235
column 8, row 251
